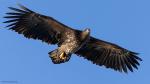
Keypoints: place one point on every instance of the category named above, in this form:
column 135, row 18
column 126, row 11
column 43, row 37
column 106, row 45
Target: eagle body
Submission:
column 70, row 41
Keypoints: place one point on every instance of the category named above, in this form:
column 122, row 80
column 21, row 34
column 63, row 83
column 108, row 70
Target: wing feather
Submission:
column 110, row 55
column 34, row 25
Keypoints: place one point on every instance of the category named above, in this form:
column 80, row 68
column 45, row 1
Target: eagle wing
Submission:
column 110, row 55
column 34, row 25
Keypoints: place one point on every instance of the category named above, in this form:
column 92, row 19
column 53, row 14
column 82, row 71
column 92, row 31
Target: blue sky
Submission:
column 124, row 22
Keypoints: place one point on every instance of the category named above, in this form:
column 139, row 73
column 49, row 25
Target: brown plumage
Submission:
column 70, row 41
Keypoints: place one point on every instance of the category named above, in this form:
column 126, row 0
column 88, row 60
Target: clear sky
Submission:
column 124, row 22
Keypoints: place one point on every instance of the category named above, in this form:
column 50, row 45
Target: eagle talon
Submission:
column 62, row 56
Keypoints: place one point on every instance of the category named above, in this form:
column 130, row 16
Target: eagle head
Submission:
column 85, row 34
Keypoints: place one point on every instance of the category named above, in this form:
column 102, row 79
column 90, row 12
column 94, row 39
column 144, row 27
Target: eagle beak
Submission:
column 87, row 30
column 62, row 56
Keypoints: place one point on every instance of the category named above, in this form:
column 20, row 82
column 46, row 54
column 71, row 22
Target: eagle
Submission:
column 70, row 41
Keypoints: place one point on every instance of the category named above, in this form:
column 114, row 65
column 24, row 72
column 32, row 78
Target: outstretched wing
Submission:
column 109, row 55
column 34, row 25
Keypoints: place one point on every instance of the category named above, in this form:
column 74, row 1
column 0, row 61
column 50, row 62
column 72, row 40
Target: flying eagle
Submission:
column 70, row 41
